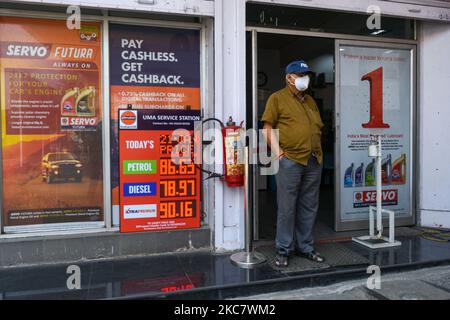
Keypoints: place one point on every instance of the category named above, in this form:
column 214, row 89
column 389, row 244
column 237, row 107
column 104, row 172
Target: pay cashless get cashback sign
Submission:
column 157, row 191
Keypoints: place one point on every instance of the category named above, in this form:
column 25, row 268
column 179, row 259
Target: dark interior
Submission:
column 275, row 51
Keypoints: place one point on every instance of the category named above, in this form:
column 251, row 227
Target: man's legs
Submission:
column 307, row 205
column 288, row 184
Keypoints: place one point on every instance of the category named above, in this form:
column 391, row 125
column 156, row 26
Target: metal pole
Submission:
column 255, row 169
column 248, row 205
column 249, row 258
column 108, row 209
column 379, row 190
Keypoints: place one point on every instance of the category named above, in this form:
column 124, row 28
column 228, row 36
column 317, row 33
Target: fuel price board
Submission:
column 158, row 191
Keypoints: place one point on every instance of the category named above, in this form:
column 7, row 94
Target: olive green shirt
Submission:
column 298, row 122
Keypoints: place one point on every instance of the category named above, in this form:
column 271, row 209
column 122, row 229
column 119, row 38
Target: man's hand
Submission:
column 272, row 141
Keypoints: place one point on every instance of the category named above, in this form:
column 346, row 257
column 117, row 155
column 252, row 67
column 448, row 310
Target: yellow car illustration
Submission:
column 61, row 165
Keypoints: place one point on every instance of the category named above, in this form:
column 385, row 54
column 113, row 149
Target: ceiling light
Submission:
column 146, row 1
column 375, row 33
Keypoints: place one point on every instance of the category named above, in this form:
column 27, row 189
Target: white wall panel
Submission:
column 230, row 101
column 434, row 117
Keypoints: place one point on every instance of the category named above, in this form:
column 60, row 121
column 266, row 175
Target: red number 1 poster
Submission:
column 157, row 192
column 375, row 95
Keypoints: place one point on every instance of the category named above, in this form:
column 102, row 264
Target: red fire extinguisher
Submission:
column 233, row 153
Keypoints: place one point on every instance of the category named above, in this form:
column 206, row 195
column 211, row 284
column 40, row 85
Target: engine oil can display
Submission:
column 68, row 102
column 370, row 174
column 349, row 177
column 85, row 102
column 399, row 170
column 386, row 169
column 359, row 176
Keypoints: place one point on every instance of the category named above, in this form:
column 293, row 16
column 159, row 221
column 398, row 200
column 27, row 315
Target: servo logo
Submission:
column 128, row 119
column 26, row 50
column 362, row 199
column 358, row 196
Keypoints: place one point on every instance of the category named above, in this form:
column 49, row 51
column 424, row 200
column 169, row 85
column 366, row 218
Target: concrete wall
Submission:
column 230, row 100
column 73, row 248
column 434, row 119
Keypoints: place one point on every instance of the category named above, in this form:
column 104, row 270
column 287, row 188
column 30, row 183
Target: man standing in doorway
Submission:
column 295, row 114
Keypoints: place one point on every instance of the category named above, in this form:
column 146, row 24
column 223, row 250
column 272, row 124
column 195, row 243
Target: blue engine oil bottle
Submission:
column 348, row 177
column 359, row 176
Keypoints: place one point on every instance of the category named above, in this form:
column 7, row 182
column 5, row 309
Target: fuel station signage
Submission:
column 159, row 182
column 152, row 68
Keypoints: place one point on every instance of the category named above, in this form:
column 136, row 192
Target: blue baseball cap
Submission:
column 299, row 66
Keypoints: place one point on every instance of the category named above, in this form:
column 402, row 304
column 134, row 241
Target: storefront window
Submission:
column 51, row 124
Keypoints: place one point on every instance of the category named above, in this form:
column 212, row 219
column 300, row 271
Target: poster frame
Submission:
column 340, row 225
column 66, row 227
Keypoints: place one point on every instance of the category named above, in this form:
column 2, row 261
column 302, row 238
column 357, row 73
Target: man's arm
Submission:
column 272, row 140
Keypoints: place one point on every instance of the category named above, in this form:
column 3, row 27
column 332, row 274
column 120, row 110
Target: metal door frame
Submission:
column 340, row 39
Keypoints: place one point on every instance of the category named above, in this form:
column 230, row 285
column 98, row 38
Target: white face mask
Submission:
column 302, row 83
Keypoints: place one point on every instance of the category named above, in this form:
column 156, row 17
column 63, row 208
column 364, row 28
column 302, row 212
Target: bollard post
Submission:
column 249, row 258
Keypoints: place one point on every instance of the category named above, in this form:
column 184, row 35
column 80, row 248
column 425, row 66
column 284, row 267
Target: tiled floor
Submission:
column 190, row 273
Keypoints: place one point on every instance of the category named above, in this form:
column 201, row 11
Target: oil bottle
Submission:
column 370, row 174
column 399, row 170
column 359, row 176
column 386, row 170
column 68, row 105
column 86, row 101
column 349, row 177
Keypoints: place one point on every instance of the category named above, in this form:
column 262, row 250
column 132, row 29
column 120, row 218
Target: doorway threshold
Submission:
column 206, row 275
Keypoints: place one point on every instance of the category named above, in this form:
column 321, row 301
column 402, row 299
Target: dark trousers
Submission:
column 298, row 201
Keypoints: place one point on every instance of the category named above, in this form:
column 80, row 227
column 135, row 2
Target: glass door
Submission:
column 370, row 74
